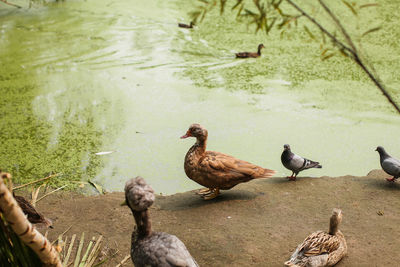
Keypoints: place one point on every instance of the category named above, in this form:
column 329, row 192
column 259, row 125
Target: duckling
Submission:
column 183, row 25
column 250, row 54
column 321, row 248
column 152, row 248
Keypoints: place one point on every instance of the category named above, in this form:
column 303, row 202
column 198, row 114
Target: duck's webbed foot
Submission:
column 204, row 191
column 214, row 192
column 391, row 179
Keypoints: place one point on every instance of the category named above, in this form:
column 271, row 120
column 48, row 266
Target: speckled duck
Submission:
column 152, row 248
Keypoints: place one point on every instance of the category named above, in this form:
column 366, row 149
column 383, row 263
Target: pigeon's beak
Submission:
column 186, row 135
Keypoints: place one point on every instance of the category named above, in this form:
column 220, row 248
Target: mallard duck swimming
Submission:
column 152, row 248
column 296, row 163
column 250, row 54
column 183, row 25
column 216, row 170
column 321, row 248
column 389, row 164
column 33, row 215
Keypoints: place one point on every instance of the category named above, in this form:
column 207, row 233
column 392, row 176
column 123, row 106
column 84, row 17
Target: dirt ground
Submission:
column 258, row 223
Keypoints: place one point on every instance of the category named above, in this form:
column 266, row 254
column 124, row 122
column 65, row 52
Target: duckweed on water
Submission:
column 82, row 77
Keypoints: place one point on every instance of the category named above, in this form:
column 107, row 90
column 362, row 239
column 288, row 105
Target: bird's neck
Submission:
column 143, row 223
column 383, row 155
column 333, row 226
column 259, row 50
column 199, row 148
column 286, row 155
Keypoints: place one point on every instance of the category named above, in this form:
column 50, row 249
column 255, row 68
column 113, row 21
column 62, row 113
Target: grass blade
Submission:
column 84, row 258
column 95, row 251
column 78, row 253
column 71, row 245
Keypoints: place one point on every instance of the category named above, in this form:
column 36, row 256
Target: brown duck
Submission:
column 216, row 170
column 183, row 25
column 250, row 54
column 33, row 215
column 321, row 248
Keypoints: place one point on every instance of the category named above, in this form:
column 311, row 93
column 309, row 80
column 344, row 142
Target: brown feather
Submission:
column 33, row 215
column 321, row 248
column 319, row 242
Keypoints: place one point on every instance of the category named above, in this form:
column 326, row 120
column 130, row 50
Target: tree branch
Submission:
column 333, row 38
column 352, row 50
column 342, row 29
column 10, row 4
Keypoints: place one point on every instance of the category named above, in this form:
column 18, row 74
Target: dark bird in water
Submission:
column 33, row 215
column 183, row 25
column 152, row 248
column 216, row 170
column 250, row 54
column 389, row 164
column 296, row 163
column 321, row 248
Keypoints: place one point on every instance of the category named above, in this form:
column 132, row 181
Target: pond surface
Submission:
column 83, row 77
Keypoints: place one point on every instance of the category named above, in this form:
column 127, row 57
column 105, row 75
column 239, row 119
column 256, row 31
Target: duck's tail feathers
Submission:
column 290, row 264
column 267, row 173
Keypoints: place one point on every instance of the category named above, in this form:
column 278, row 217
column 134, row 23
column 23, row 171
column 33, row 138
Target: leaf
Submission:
column 240, row 10
column 369, row 5
column 343, row 53
column 195, row 15
column 250, row 13
column 350, row 7
column 237, row 4
column 98, row 187
column 371, row 30
column 328, row 56
column 222, row 4
column 323, row 37
column 269, row 27
column 324, row 51
column 309, row 32
column 285, row 22
column 203, row 15
column 282, row 33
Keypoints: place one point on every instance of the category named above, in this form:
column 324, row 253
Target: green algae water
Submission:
column 82, row 77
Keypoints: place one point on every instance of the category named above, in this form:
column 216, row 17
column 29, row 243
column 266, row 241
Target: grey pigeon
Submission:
column 296, row 163
column 152, row 248
column 389, row 164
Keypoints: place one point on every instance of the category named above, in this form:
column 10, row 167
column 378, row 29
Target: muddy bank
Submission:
column 254, row 224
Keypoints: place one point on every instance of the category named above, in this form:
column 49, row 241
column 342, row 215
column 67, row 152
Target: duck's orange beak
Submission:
column 186, row 135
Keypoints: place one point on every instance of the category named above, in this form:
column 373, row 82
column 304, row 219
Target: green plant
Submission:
column 266, row 15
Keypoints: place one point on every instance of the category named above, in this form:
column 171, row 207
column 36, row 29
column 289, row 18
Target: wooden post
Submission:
column 24, row 229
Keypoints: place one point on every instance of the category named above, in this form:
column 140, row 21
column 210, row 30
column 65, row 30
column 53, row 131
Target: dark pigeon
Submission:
column 389, row 164
column 296, row 163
